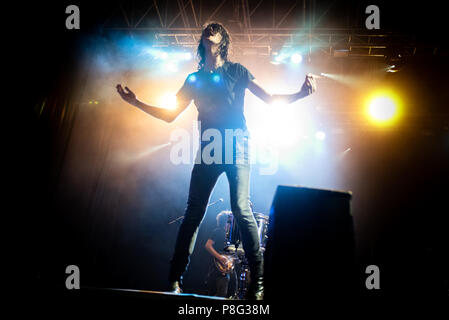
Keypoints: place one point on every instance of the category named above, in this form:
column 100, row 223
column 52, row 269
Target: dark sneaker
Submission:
column 256, row 290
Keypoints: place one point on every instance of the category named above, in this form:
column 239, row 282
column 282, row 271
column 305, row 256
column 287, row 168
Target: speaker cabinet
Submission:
column 310, row 248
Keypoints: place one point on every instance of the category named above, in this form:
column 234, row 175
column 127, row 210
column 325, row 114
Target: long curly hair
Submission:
column 212, row 29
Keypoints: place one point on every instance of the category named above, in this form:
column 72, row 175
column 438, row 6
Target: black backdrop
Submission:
column 408, row 238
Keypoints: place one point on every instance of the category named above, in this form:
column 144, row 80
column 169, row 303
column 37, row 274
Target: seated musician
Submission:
column 221, row 279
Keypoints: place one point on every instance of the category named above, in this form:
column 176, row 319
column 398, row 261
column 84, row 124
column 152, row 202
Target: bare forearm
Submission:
column 287, row 98
column 166, row 115
column 212, row 251
column 269, row 98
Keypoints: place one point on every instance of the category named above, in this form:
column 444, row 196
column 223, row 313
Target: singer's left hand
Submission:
column 309, row 85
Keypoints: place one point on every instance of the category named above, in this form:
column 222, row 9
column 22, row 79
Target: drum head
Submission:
column 261, row 216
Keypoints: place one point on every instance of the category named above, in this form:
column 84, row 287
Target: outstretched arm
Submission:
column 308, row 87
column 167, row 115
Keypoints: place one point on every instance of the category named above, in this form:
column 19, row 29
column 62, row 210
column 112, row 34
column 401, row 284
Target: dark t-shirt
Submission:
column 218, row 96
column 218, row 236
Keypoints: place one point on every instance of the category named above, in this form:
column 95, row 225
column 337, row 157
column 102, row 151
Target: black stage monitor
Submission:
column 310, row 246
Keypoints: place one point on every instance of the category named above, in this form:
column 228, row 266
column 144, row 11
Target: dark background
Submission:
column 400, row 183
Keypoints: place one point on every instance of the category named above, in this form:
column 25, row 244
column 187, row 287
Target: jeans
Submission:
column 204, row 177
column 221, row 285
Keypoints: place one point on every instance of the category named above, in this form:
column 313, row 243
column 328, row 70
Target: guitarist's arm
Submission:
column 210, row 248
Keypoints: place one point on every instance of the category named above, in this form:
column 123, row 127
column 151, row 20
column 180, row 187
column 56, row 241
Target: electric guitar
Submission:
column 228, row 266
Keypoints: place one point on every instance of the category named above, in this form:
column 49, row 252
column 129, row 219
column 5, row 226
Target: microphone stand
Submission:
column 210, row 204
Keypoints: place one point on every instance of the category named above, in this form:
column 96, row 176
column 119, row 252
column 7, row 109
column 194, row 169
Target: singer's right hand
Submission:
column 127, row 95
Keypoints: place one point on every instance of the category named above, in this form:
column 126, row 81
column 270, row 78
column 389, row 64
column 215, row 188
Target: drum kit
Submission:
column 233, row 250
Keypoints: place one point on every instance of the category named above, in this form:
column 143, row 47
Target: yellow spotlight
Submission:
column 167, row 101
column 383, row 108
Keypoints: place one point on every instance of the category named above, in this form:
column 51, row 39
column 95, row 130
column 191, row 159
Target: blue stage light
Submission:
column 161, row 55
column 279, row 58
column 320, row 135
column 296, row 58
column 192, row 78
column 171, row 67
column 216, row 78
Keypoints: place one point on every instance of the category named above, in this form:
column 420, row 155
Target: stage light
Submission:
column 187, row 56
column 320, row 135
column 282, row 57
column 181, row 56
column 278, row 58
column 171, row 66
column 392, row 68
column 280, row 128
column 192, row 78
column 279, row 125
column 163, row 55
column 349, row 80
column 216, row 78
column 278, row 104
column 157, row 54
column 125, row 157
column 167, row 101
column 341, row 155
column 296, row 58
column 383, row 108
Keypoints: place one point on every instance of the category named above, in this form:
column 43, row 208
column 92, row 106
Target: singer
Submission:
column 218, row 90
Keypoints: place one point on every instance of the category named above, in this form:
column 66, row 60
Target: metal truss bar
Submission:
column 194, row 14
column 255, row 8
column 146, row 12
column 286, row 14
column 184, row 18
column 353, row 33
column 125, row 16
column 158, row 13
column 216, row 10
column 177, row 16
